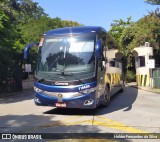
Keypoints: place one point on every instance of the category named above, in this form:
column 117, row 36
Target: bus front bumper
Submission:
column 85, row 101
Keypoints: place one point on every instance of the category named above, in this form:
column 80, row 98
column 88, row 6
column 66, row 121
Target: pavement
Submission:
column 149, row 89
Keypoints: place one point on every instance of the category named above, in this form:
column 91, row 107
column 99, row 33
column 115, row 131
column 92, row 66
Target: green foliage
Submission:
column 117, row 30
column 153, row 2
column 67, row 23
column 134, row 34
column 3, row 19
column 22, row 22
column 8, row 36
column 32, row 31
column 131, row 76
column 147, row 29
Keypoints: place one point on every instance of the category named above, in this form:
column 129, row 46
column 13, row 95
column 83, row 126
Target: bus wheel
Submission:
column 106, row 97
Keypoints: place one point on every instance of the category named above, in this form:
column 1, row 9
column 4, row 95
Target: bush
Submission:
column 131, row 76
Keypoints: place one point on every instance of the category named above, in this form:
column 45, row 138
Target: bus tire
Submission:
column 122, row 89
column 106, row 97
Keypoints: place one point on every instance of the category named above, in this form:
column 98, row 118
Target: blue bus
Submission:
column 70, row 68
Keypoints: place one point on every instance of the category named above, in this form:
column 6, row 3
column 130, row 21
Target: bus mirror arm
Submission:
column 27, row 48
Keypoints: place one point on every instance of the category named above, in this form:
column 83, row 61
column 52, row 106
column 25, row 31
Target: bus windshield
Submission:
column 66, row 58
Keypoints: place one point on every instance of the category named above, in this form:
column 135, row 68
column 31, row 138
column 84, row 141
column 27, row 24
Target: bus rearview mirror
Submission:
column 27, row 48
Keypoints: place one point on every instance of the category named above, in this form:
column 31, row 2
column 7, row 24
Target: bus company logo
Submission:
column 84, row 87
column 60, row 95
column 61, row 83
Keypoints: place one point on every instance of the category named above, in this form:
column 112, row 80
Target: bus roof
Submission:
column 75, row 30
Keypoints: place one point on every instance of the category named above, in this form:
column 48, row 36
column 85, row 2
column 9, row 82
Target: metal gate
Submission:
column 156, row 78
column 11, row 80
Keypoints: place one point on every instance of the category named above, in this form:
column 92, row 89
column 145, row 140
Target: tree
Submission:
column 67, row 23
column 8, row 36
column 153, row 2
column 13, row 14
column 144, row 30
column 147, row 29
column 156, row 31
column 22, row 22
column 117, row 30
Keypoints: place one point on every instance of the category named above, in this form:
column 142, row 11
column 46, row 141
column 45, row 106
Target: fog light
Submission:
column 88, row 102
column 37, row 100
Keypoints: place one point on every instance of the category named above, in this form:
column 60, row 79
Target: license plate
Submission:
column 60, row 104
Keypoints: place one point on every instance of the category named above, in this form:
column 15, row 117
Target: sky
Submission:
column 96, row 12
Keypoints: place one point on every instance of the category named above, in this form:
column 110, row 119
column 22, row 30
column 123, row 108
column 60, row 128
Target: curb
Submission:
column 145, row 89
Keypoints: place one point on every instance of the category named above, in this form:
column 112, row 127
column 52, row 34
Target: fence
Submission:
column 11, row 79
column 156, row 78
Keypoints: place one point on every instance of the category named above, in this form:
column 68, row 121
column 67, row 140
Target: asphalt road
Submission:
column 133, row 111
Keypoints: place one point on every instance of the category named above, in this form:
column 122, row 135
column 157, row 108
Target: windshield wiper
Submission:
column 79, row 80
column 41, row 80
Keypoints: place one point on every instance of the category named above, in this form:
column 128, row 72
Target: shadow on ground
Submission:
column 39, row 124
column 118, row 101
column 53, row 129
column 31, row 123
column 17, row 96
column 121, row 101
column 70, row 111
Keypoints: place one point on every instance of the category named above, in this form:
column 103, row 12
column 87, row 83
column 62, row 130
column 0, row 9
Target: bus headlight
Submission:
column 87, row 91
column 37, row 89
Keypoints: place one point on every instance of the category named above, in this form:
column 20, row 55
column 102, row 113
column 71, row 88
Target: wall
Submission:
column 142, row 73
